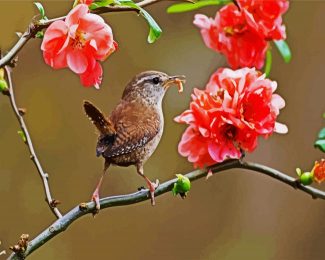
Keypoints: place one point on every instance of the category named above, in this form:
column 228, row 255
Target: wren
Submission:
column 132, row 132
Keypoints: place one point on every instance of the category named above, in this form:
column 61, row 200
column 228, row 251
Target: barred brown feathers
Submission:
column 104, row 125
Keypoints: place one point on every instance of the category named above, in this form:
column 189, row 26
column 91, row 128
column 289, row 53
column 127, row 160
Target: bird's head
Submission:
column 151, row 86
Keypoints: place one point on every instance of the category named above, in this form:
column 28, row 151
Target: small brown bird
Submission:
column 132, row 132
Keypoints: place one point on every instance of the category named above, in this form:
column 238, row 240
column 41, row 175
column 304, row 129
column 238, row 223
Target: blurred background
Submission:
column 234, row 215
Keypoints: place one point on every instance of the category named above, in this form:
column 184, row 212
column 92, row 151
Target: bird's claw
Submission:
column 153, row 186
column 95, row 198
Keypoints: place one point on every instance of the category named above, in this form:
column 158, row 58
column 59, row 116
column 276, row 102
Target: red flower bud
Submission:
column 319, row 171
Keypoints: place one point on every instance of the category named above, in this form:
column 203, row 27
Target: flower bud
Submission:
column 3, row 85
column 306, row 178
column 319, row 171
column 181, row 186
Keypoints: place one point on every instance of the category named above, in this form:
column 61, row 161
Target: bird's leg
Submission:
column 95, row 196
column 151, row 185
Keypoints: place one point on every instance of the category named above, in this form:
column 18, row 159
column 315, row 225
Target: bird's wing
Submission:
column 107, row 132
column 135, row 126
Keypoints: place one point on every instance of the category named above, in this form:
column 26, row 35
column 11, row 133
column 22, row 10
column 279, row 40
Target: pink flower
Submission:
column 79, row 43
column 265, row 16
column 230, row 34
column 242, row 33
column 229, row 115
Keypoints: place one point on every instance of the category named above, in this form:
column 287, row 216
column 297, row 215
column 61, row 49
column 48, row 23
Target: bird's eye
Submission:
column 156, row 80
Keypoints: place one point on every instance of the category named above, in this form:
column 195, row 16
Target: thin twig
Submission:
column 36, row 26
column 51, row 202
column 122, row 200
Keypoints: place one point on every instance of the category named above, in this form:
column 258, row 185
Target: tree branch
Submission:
column 44, row 176
column 122, row 200
column 36, row 26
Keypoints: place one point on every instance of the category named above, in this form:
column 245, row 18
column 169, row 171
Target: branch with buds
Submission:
column 24, row 133
column 214, row 94
column 9, row 60
column 123, row 200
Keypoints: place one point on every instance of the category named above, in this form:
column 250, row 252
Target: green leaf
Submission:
column 298, row 171
column 284, row 50
column 39, row 34
column 40, row 9
column 268, row 63
column 97, row 4
column 320, row 144
column 155, row 30
column 22, row 135
column 186, row 7
column 321, row 134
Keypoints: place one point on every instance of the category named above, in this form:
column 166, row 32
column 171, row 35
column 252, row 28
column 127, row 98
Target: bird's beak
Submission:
column 177, row 80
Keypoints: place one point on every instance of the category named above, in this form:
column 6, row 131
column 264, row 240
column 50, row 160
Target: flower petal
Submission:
column 280, row 128
column 77, row 61
column 57, row 61
column 91, row 23
column 57, row 31
column 75, row 14
column 93, row 76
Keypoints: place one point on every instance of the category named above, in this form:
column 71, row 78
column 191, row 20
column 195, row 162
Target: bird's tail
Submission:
column 103, row 124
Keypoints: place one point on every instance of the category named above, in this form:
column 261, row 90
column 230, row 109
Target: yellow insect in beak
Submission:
column 178, row 80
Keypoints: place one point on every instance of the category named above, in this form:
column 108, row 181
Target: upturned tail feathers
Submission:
column 103, row 124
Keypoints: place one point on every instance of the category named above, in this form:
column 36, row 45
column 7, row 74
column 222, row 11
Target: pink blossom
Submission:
column 242, row 32
column 230, row 35
column 229, row 115
column 265, row 16
column 79, row 43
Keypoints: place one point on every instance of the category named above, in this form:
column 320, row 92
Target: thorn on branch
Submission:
column 14, row 62
column 54, row 203
column 19, row 34
column 22, row 244
column 83, row 206
column 22, row 111
column 52, row 229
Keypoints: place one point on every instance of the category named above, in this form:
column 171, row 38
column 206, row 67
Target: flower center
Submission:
column 230, row 132
column 79, row 41
column 236, row 29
